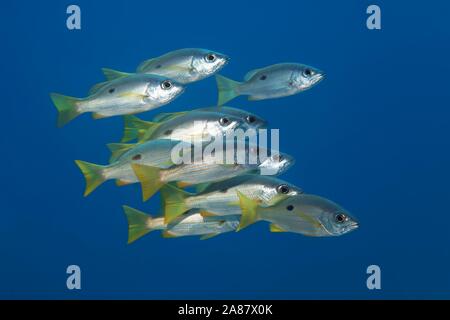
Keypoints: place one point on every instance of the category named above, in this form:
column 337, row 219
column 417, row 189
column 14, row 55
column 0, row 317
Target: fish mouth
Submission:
column 317, row 78
column 225, row 61
column 353, row 226
column 179, row 92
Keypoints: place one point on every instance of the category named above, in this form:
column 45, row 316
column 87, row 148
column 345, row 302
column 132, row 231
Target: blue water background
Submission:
column 374, row 137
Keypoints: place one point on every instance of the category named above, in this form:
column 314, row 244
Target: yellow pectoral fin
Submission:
column 131, row 95
column 276, row 228
column 177, row 68
column 311, row 220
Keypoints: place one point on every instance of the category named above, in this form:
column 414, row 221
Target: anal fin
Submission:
column 276, row 228
column 168, row 234
column 209, row 236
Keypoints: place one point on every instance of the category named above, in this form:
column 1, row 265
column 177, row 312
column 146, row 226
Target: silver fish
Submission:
column 279, row 80
column 184, row 65
column 190, row 126
column 155, row 153
column 251, row 118
column 192, row 223
column 207, row 167
column 222, row 198
column 308, row 214
column 134, row 94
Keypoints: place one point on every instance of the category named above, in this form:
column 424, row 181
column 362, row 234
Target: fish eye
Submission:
column 290, row 207
column 250, row 119
column 340, row 217
column 210, row 57
column 308, row 72
column 166, row 84
column 224, row 121
column 111, row 90
column 283, row 189
column 263, row 77
column 137, row 157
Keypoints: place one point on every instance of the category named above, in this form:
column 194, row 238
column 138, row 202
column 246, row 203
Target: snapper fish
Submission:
column 222, row 198
column 251, row 118
column 184, row 65
column 307, row 214
column 130, row 95
column 190, row 126
column 157, row 153
column 193, row 223
column 279, row 80
column 207, row 167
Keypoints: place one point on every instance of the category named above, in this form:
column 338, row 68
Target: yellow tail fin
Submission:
column 228, row 89
column 173, row 202
column 67, row 108
column 249, row 211
column 138, row 223
column 135, row 128
column 93, row 173
column 150, row 179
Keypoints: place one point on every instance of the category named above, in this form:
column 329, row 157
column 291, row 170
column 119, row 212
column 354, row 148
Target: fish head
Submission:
column 163, row 89
column 276, row 163
column 338, row 221
column 304, row 77
column 327, row 217
column 311, row 215
column 207, row 62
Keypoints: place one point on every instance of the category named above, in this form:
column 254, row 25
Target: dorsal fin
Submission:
column 250, row 74
column 118, row 149
column 167, row 116
column 144, row 65
column 111, row 74
column 96, row 87
column 131, row 130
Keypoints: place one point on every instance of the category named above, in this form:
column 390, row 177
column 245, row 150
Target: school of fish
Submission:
column 200, row 195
